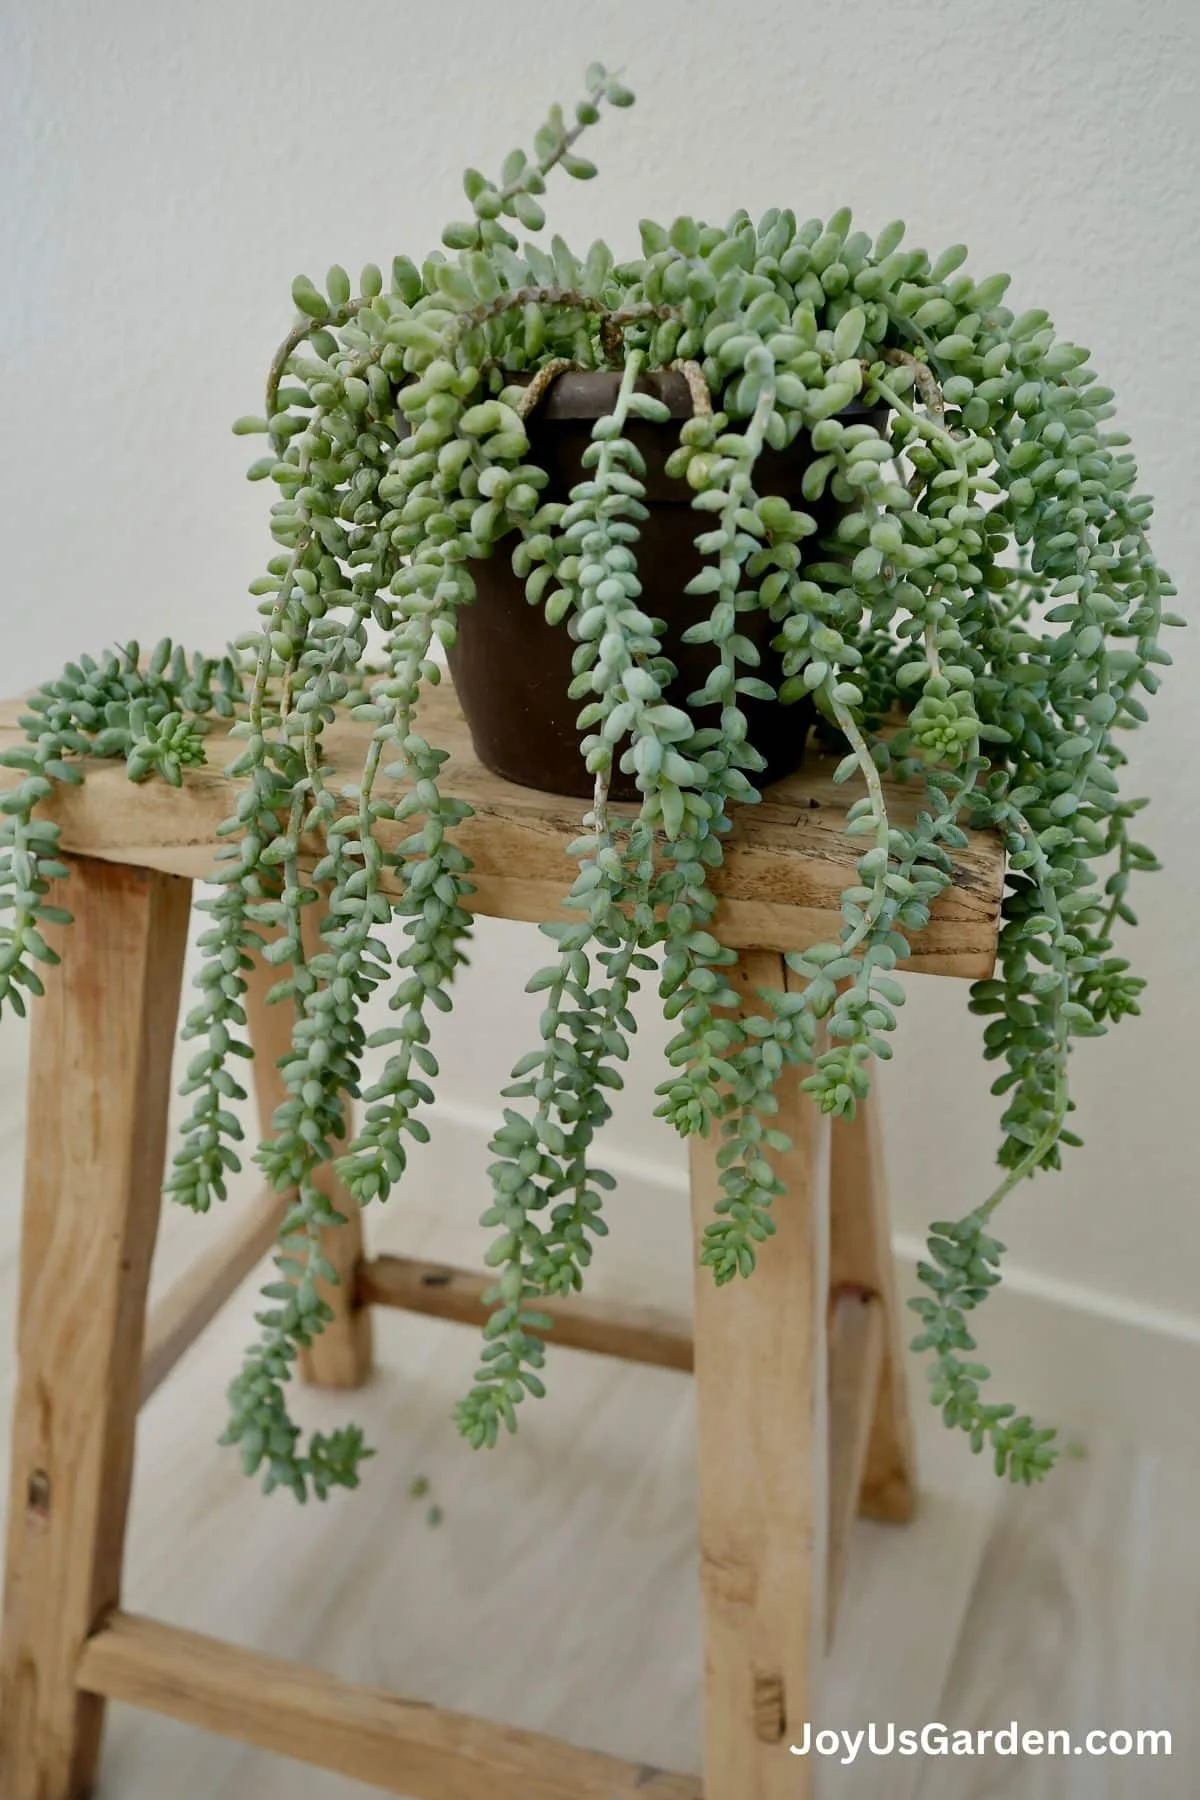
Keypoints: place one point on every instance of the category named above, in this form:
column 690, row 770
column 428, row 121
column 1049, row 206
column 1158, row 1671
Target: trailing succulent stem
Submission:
column 153, row 715
column 964, row 587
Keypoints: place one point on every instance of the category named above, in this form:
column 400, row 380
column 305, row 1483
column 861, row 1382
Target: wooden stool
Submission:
column 800, row 1383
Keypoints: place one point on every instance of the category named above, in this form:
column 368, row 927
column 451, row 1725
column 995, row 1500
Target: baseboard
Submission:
column 1091, row 1362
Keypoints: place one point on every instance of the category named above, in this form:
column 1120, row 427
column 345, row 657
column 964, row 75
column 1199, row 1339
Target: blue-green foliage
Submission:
column 989, row 574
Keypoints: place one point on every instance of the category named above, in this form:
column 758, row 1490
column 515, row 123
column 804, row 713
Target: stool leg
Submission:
column 99, row 1086
column 342, row 1356
column 860, row 1257
column 761, row 1403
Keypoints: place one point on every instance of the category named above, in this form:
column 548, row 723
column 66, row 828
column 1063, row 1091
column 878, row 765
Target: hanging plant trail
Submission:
column 989, row 580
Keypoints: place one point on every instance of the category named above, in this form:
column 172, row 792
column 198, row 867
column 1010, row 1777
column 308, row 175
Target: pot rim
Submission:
column 591, row 394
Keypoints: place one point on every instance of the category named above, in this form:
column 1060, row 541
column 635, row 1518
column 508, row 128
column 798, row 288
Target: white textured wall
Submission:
column 168, row 169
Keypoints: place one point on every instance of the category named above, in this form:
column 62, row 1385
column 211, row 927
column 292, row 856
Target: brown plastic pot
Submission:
column 512, row 669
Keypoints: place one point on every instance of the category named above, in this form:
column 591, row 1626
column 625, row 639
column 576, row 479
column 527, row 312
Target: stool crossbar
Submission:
column 800, row 1385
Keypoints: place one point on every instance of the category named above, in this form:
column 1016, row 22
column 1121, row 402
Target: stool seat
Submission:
column 799, row 1371
column 787, row 860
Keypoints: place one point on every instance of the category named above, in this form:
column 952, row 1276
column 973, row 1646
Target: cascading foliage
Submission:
column 989, row 575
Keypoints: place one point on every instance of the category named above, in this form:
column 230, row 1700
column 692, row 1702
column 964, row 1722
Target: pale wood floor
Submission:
column 559, row 1592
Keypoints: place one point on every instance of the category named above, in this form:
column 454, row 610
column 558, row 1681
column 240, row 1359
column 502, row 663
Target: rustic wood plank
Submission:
column 609, row 1328
column 343, row 1355
column 100, row 1074
column 761, row 1405
column 402, row 1746
column 860, row 1256
column 787, row 859
column 1084, row 1618
column 857, row 1330
column 177, row 1320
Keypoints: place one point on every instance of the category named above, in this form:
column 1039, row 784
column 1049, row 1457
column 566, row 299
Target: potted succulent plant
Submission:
column 661, row 513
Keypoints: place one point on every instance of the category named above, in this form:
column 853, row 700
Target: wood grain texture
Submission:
column 342, row 1356
column 860, row 1257
column 634, row 1333
column 198, row 1295
column 1090, row 1594
column 98, row 1096
column 402, row 1746
column 760, row 1401
column 856, row 1349
column 786, row 864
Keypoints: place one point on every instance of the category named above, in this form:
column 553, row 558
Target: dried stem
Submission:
column 549, row 372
